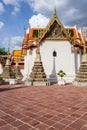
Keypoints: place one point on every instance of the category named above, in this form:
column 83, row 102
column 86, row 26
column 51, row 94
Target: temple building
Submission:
column 61, row 48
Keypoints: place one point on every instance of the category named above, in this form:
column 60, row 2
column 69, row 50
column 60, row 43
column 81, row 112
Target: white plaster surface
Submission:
column 65, row 59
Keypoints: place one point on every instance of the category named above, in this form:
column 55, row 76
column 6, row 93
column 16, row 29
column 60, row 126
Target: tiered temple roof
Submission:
column 18, row 55
column 70, row 33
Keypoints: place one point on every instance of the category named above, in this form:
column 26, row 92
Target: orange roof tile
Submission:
column 18, row 54
column 32, row 31
column 26, row 38
column 74, row 31
column 31, row 36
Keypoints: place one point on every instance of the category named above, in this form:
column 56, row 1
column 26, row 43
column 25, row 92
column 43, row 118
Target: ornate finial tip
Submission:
column 55, row 12
column 8, row 50
column 24, row 29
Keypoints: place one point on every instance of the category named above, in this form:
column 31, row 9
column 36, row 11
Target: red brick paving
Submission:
column 43, row 108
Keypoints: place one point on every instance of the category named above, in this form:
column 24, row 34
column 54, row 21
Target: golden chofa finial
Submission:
column 55, row 12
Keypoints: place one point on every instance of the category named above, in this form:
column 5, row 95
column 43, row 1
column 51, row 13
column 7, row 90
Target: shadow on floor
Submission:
column 11, row 87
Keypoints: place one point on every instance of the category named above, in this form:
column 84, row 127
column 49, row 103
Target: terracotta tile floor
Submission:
column 43, row 108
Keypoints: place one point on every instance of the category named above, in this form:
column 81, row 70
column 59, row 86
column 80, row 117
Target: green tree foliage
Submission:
column 2, row 51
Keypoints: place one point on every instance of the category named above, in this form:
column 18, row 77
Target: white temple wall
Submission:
column 65, row 59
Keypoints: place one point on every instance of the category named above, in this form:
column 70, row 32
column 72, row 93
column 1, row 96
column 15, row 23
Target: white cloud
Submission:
column 70, row 15
column 11, row 2
column 15, row 4
column 41, row 6
column 15, row 11
column 15, row 43
column 38, row 20
column 1, row 24
column 1, row 8
column 67, row 10
column 46, row 6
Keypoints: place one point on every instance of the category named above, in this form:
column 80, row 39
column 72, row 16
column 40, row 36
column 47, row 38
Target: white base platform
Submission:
column 53, row 79
column 76, row 83
column 12, row 81
column 34, row 83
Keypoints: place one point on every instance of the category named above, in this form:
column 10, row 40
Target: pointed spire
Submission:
column 37, row 77
column 24, row 35
column 55, row 14
column 8, row 54
column 8, row 50
column 8, row 58
column 29, row 27
column 24, row 30
column 17, row 71
column 77, row 24
column 38, row 56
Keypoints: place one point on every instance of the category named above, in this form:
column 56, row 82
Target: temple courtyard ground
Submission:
column 43, row 108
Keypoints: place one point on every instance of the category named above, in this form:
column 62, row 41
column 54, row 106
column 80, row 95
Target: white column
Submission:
column 76, row 61
column 25, row 66
column 29, row 60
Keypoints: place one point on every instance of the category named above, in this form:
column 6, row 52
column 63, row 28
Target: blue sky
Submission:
column 15, row 14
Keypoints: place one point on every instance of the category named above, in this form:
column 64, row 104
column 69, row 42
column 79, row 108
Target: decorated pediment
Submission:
column 55, row 32
column 54, row 29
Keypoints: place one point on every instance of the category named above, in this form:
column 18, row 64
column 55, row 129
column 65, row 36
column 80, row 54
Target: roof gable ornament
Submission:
column 55, row 14
column 58, row 32
column 55, row 32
